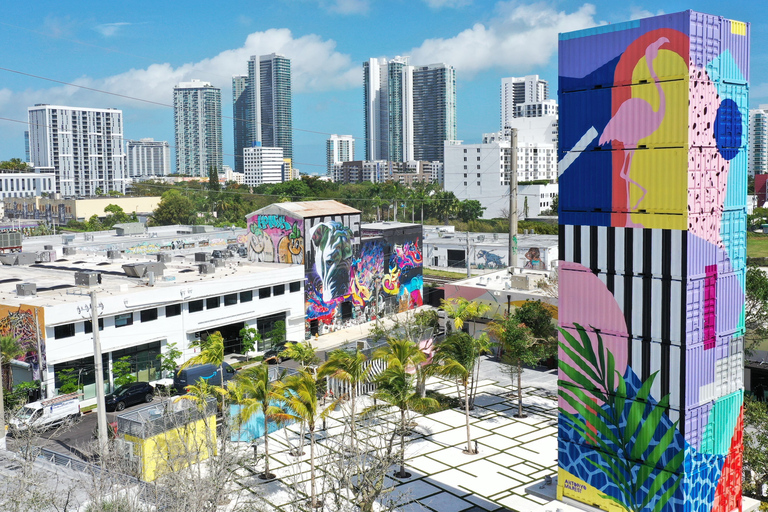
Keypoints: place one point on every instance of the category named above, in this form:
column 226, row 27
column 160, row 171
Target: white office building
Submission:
column 480, row 172
column 339, row 148
column 758, row 140
column 147, row 158
column 27, row 184
column 536, row 150
column 83, row 146
column 264, row 165
column 518, row 90
column 197, row 116
column 535, row 199
column 534, row 109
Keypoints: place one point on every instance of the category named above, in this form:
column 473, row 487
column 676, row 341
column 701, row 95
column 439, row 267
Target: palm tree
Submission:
column 299, row 395
column 303, row 353
column 350, row 368
column 254, row 391
column 211, row 352
column 10, row 349
column 457, row 358
column 395, row 386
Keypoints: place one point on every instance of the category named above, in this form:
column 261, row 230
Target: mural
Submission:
column 275, row 239
column 20, row 322
column 491, row 260
column 652, row 123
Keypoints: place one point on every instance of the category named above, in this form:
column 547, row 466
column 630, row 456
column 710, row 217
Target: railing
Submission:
column 155, row 419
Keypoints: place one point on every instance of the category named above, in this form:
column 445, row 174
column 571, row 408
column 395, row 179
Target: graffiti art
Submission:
column 275, row 238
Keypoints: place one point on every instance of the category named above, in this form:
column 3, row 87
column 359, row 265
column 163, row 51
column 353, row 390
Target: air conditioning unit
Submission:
column 218, row 262
column 26, row 289
column 164, row 257
column 201, row 257
column 207, row 268
column 69, row 251
column 114, row 254
column 87, row 279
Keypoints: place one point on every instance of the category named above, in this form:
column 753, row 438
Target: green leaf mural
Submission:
column 629, row 436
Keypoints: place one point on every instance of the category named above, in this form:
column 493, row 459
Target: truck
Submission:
column 47, row 413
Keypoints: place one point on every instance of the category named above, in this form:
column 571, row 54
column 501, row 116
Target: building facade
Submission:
column 197, row 116
column 434, row 110
column 533, row 200
column 263, row 165
column 26, row 184
column 379, row 171
column 653, row 262
column 147, row 158
column 758, row 140
column 388, row 98
column 518, row 90
column 338, row 149
column 60, row 210
column 534, row 109
column 240, row 118
column 83, row 146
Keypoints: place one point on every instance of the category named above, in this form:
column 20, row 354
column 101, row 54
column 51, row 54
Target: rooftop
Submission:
column 305, row 209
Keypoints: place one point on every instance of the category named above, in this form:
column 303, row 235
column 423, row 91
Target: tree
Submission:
column 755, row 441
column 15, row 164
column 122, row 371
column 174, row 208
column 537, row 316
column 277, row 334
column 68, row 381
column 462, row 310
column 211, row 352
column 395, row 386
column 299, row 394
column 470, row 209
column 168, row 359
column 352, row 368
column 444, row 205
column 249, row 339
column 755, row 308
column 254, row 391
column 457, row 357
column 213, row 178
column 10, row 349
column 303, row 353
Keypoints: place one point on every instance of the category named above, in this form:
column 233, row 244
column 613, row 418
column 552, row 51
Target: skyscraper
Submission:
column 148, row 157
column 268, row 110
column 758, row 140
column 388, row 96
column 339, row 148
column 434, row 110
column 264, row 165
column 518, row 90
column 197, row 115
column 84, row 146
column 240, row 117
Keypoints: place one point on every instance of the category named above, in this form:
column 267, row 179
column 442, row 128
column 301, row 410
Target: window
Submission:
column 212, row 302
column 230, row 300
column 478, row 150
column 465, row 150
column 88, row 326
column 478, row 166
column 147, row 315
column 478, row 183
column 279, row 289
column 265, row 293
column 195, row 306
column 123, row 320
column 246, row 296
column 465, row 175
column 465, row 159
column 173, row 310
column 295, row 286
column 64, row 331
column 478, row 159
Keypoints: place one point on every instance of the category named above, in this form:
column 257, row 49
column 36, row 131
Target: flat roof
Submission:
column 305, row 209
column 433, row 235
column 387, row 225
column 496, row 281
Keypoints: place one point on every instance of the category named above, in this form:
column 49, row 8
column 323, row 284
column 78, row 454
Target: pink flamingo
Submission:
column 635, row 119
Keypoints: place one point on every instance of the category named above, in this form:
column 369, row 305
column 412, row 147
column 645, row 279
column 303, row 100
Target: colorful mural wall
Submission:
column 653, row 172
column 275, row 239
column 20, row 322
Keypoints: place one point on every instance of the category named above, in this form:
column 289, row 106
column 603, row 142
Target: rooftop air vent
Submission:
column 26, row 289
column 207, row 268
column 87, row 279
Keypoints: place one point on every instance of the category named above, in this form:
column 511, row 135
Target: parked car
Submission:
column 129, row 394
column 273, row 355
column 191, row 374
column 45, row 414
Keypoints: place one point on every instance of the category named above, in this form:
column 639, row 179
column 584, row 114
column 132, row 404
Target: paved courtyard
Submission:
column 515, row 454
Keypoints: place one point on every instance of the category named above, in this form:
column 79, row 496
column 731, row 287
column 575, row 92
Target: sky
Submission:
column 139, row 50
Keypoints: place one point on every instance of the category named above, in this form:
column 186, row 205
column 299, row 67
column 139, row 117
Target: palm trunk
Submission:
column 266, row 446
column 519, row 389
column 402, row 443
column 312, row 466
column 466, row 414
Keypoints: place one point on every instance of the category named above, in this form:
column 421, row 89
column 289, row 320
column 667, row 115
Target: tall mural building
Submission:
column 653, row 172
column 354, row 271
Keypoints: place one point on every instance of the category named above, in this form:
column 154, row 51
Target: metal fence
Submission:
column 157, row 418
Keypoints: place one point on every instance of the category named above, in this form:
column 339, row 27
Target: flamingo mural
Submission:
column 635, row 120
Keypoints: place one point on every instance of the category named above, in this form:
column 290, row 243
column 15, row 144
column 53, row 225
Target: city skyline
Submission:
column 142, row 55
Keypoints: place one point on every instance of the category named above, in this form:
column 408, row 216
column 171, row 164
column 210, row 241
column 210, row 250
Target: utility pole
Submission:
column 469, row 271
column 39, row 356
column 2, row 413
column 513, row 199
column 101, row 409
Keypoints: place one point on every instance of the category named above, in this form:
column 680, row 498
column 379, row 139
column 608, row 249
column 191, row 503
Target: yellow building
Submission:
column 61, row 211
column 169, row 436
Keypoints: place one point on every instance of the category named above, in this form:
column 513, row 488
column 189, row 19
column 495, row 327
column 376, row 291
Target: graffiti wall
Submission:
column 653, row 177
column 275, row 239
column 20, row 322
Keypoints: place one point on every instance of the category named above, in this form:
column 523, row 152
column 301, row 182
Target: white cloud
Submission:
column 110, row 29
column 440, row 4
column 518, row 38
column 315, row 66
column 637, row 13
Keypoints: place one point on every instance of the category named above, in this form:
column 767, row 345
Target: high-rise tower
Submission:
column 434, row 110
column 518, row 90
column 240, row 118
column 197, row 114
column 338, row 149
column 388, row 96
column 268, row 103
column 758, row 140
column 84, row 146
column 652, row 206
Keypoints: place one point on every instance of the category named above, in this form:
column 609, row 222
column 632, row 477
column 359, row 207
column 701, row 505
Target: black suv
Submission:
column 273, row 355
column 129, row 394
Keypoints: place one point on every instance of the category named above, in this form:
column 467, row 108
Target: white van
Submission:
column 47, row 413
